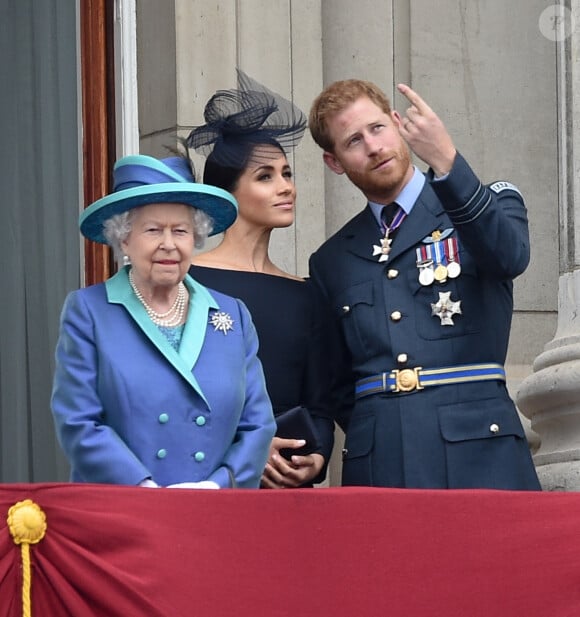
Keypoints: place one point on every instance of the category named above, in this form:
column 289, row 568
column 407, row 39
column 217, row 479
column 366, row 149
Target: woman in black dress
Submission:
column 245, row 139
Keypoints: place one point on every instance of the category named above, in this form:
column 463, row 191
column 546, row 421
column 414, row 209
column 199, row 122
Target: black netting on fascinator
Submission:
column 238, row 120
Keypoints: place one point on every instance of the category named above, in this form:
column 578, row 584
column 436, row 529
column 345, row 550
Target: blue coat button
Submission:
column 163, row 418
column 161, row 453
column 200, row 421
column 199, row 456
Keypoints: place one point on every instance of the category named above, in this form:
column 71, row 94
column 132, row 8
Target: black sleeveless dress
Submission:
column 293, row 334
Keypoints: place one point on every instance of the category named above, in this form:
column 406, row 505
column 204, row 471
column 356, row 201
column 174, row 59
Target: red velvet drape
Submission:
column 356, row 552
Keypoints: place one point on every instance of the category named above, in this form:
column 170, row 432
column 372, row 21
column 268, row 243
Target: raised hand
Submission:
column 426, row 134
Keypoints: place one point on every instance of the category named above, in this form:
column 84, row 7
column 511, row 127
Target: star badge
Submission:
column 383, row 250
column 445, row 308
column 221, row 322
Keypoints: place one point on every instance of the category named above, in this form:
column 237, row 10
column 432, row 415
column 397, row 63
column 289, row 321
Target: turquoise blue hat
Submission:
column 139, row 180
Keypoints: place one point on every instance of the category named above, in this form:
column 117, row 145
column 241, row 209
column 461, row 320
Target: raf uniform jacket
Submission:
column 462, row 435
column 127, row 406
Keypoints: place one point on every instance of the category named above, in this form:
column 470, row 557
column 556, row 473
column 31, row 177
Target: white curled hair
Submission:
column 117, row 228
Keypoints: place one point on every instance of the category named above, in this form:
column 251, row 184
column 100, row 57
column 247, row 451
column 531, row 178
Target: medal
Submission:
column 438, row 258
column 426, row 276
column 385, row 242
column 425, row 265
column 453, row 267
column 384, row 249
column 440, row 273
column 445, row 308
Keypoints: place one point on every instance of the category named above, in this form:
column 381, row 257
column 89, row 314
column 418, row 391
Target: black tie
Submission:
column 388, row 213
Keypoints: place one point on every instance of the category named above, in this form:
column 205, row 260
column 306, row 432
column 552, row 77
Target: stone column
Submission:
column 550, row 396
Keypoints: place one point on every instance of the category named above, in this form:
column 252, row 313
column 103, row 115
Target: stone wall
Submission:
column 488, row 68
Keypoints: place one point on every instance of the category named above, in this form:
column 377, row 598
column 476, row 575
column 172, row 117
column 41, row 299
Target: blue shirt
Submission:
column 406, row 198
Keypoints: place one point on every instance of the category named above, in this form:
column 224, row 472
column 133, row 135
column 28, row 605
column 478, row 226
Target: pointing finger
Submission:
column 414, row 98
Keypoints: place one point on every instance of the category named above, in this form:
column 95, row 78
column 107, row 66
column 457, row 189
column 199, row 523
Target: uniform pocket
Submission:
column 485, row 444
column 354, row 309
column 357, row 455
column 465, row 289
column 483, row 419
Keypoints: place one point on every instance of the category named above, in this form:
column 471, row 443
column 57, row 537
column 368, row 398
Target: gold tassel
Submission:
column 27, row 524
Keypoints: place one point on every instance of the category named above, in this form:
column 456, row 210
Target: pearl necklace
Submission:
column 172, row 317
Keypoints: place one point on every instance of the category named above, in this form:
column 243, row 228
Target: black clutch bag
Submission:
column 296, row 423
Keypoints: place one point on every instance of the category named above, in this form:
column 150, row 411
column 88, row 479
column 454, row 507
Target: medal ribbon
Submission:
column 451, row 250
column 438, row 247
column 396, row 222
column 424, row 254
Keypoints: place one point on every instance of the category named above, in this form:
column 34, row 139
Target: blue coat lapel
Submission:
column 200, row 302
column 362, row 234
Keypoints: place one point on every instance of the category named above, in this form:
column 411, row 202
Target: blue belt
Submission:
column 413, row 379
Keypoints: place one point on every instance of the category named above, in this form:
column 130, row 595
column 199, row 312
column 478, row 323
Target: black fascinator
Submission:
column 238, row 120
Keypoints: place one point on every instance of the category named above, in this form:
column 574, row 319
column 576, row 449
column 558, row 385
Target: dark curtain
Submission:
column 39, row 240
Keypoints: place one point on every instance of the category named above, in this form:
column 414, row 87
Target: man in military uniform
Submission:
column 420, row 282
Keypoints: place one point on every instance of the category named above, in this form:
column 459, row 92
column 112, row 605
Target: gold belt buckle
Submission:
column 407, row 379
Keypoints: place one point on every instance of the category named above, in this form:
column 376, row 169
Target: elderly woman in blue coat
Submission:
column 157, row 380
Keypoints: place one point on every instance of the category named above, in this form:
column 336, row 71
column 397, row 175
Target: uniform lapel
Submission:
column 362, row 234
column 200, row 301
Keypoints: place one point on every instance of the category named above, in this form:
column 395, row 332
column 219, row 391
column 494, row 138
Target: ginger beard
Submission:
column 377, row 183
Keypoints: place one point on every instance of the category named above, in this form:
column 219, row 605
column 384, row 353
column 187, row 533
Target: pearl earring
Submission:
column 126, row 260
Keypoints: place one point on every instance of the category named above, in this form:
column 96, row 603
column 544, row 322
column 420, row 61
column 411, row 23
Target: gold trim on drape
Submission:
column 27, row 524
